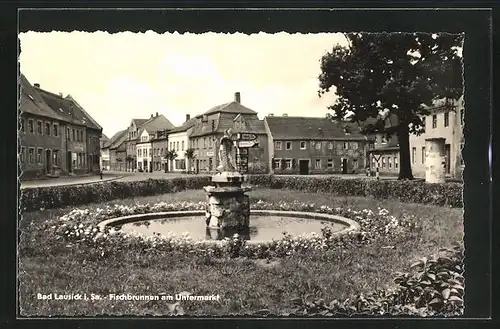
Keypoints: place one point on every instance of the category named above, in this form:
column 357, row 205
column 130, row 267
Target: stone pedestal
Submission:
column 435, row 162
column 227, row 204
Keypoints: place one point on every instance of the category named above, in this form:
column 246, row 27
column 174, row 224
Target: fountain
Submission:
column 228, row 209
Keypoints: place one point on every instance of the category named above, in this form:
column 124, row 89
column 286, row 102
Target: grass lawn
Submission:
column 244, row 286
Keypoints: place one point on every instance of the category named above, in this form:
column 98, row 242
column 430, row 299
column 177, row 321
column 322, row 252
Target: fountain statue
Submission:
column 228, row 207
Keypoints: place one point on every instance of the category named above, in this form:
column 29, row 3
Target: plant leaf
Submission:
column 446, row 293
column 435, row 301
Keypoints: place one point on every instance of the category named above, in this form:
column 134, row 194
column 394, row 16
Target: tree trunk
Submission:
column 404, row 152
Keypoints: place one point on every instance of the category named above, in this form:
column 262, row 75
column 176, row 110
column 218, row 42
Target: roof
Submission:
column 31, row 101
column 309, row 128
column 185, row 126
column 91, row 123
column 232, row 107
column 139, row 122
column 116, row 140
column 248, row 122
column 384, row 149
column 154, row 124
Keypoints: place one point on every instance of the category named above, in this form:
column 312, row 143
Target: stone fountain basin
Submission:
column 350, row 225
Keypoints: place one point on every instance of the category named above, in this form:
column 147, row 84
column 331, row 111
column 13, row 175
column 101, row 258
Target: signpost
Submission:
column 243, row 142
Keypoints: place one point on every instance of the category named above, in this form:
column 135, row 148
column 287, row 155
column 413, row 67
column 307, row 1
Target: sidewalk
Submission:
column 61, row 181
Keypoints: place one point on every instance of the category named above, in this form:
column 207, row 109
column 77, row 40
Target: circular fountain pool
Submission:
column 265, row 225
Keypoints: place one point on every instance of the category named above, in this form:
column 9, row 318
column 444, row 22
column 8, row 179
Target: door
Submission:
column 447, row 154
column 48, row 162
column 344, row 166
column 304, row 167
column 69, row 160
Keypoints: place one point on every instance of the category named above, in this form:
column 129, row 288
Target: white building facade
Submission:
column 179, row 141
column 144, row 154
column 104, row 159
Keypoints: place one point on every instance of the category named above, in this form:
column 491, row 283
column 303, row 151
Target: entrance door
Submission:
column 69, row 161
column 447, row 154
column 344, row 166
column 48, row 162
column 304, row 167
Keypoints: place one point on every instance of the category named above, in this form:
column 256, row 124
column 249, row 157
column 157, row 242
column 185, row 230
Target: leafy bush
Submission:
column 73, row 195
column 447, row 194
column 435, row 289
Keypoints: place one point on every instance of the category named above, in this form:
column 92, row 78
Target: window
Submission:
column 383, row 162
column 413, row 154
column 390, row 162
column 330, row 145
column 355, row 163
column 68, row 134
column 446, row 119
column 288, row 145
column 318, row 164
column 183, row 146
column 170, row 145
column 139, row 152
column 303, row 145
column 329, row 163
column 277, row 163
column 55, row 157
column 22, row 155
column 21, row 123
column 30, row 126
column 39, row 127
column 210, row 142
column 434, row 121
column 354, row 145
column 145, row 153
column 177, row 146
column 73, row 134
column 374, row 163
column 56, row 129
column 39, row 155
column 213, row 125
column 383, row 139
column 318, row 145
column 395, row 162
column 31, row 155
column 289, row 164
column 277, row 145
column 346, row 145
column 423, row 154
column 204, row 143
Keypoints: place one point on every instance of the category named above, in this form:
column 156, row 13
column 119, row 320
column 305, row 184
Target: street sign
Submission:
column 247, row 143
column 246, row 136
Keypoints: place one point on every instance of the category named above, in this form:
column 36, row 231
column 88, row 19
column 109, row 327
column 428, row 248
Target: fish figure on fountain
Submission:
column 228, row 207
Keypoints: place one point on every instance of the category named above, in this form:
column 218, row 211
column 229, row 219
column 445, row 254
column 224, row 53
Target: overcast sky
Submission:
column 117, row 77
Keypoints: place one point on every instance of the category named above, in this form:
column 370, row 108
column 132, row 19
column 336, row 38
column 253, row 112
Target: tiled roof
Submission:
column 116, row 140
column 232, row 107
column 224, row 121
column 185, row 126
column 31, row 101
column 154, row 124
column 139, row 122
column 82, row 114
column 308, row 128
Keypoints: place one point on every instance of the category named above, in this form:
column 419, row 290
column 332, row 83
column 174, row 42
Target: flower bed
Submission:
column 437, row 287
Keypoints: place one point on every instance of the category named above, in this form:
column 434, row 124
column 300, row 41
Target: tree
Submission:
column 190, row 156
column 382, row 74
column 171, row 156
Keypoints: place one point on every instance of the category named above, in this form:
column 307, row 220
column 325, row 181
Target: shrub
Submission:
column 63, row 196
column 446, row 194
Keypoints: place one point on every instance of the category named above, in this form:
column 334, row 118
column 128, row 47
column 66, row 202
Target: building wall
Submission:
column 75, row 149
column 105, row 159
column 40, row 142
column 388, row 162
column 160, row 148
column 179, row 142
column 453, row 140
column 258, row 157
column 93, row 150
column 323, row 156
column 144, row 156
column 206, row 150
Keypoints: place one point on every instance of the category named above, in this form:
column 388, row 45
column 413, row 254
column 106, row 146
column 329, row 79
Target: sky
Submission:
column 121, row 76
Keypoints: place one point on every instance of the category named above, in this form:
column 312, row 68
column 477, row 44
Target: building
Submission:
column 444, row 121
column 132, row 137
column 210, row 127
column 116, row 148
column 306, row 145
column 384, row 154
column 143, row 144
column 104, row 158
column 56, row 134
column 178, row 140
column 159, row 144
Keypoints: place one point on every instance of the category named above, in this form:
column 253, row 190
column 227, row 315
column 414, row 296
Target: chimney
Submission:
column 37, row 85
column 156, row 113
column 237, row 97
column 188, row 116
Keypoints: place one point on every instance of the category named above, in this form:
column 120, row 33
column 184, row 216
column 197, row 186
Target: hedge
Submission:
column 447, row 194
